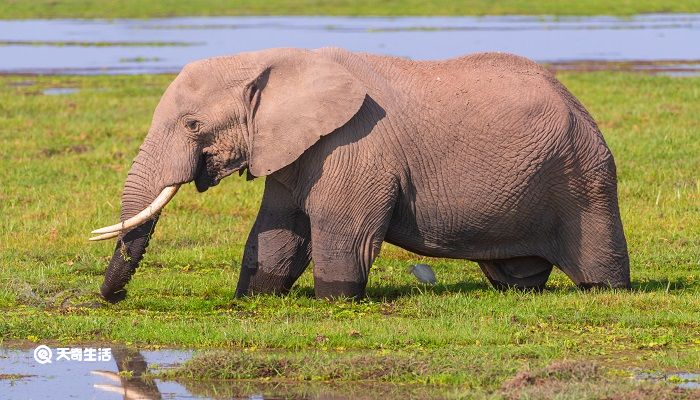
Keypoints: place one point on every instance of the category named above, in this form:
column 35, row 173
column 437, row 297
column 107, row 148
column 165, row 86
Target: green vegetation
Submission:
column 139, row 59
column 139, row 9
column 91, row 44
column 573, row 380
column 63, row 160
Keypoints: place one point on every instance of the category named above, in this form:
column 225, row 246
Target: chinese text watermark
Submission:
column 44, row 355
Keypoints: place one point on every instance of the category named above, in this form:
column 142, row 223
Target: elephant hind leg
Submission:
column 596, row 254
column 524, row 273
column 591, row 240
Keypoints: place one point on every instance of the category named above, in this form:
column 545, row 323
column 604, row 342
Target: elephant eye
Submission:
column 193, row 125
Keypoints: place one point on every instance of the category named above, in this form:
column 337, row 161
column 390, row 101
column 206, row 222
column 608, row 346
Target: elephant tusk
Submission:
column 152, row 209
column 104, row 236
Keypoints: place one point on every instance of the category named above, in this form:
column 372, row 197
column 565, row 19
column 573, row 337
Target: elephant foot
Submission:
column 261, row 282
column 114, row 297
column 338, row 289
column 605, row 285
column 523, row 273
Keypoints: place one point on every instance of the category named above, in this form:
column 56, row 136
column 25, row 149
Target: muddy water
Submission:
column 165, row 45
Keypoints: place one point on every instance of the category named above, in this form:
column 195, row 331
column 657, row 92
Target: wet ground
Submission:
column 23, row 377
column 647, row 43
column 127, row 374
column 683, row 380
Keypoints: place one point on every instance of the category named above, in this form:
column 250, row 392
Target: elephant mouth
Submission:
column 203, row 179
column 209, row 174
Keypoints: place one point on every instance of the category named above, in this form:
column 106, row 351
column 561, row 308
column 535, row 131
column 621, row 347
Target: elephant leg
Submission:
column 342, row 261
column 593, row 241
column 525, row 273
column 278, row 249
column 347, row 236
column 596, row 255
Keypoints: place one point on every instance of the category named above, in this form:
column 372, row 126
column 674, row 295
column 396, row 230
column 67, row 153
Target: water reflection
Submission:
column 126, row 376
column 683, row 380
column 122, row 377
column 129, row 380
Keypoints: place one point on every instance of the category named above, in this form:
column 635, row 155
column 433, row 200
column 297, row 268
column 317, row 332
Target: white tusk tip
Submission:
column 104, row 236
column 108, row 229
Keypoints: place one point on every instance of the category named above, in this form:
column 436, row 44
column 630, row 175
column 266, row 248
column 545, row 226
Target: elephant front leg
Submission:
column 346, row 241
column 342, row 263
column 278, row 249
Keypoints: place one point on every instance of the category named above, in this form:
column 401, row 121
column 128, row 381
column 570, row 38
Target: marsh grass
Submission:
column 63, row 162
column 54, row 43
column 141, row 9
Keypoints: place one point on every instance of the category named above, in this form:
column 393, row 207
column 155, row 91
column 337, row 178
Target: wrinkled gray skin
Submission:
column 485, row 157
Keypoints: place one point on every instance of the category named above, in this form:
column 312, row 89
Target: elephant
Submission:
column 485, row 157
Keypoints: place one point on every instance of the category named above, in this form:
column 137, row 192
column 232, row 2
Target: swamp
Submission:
column 76, row 100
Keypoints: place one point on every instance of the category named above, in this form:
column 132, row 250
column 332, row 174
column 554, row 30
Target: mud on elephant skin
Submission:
column 485, row 157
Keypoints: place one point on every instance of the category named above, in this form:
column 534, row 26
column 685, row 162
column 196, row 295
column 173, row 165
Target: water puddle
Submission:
column 683, row 380
column 92, row 376
column 59, row 91
column 124, row 373
column 101, row 372
column 126, row 46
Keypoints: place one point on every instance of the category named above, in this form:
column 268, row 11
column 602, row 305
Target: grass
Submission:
column 91, row 44
column 13, row 9
column 63, row 159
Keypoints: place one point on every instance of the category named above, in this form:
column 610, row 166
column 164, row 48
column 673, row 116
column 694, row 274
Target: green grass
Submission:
column 91, row 44
column 63, row 159
column 139, row 9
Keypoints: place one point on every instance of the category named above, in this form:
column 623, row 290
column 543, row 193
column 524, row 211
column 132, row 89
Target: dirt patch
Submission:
column 572, row 370
column 586, row 380
column 20, row 84
column 311, row 390
column 75, row 149
column 656, row 393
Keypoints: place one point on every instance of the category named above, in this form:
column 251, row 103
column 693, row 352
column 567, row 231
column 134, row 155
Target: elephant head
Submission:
column 258, row 111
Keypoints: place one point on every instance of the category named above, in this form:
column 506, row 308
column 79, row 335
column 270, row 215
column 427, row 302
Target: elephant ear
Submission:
column 295, row 100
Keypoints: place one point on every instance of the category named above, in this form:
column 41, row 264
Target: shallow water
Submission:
column 683, row 380
column 688, row 380
column 59, row 91
column 22, row 376
column 25, row 373
column 165, row 45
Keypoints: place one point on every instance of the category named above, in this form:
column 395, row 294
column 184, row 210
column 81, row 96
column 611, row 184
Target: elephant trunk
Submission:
column 140, row 194
column 127, row 255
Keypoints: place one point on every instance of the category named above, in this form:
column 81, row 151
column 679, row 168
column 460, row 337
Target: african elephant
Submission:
column 485, row 157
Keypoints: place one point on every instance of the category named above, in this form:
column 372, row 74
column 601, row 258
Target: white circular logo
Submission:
column 43, row 354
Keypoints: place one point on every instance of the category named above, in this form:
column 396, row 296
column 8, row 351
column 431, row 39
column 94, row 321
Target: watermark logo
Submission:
column 44, row 355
